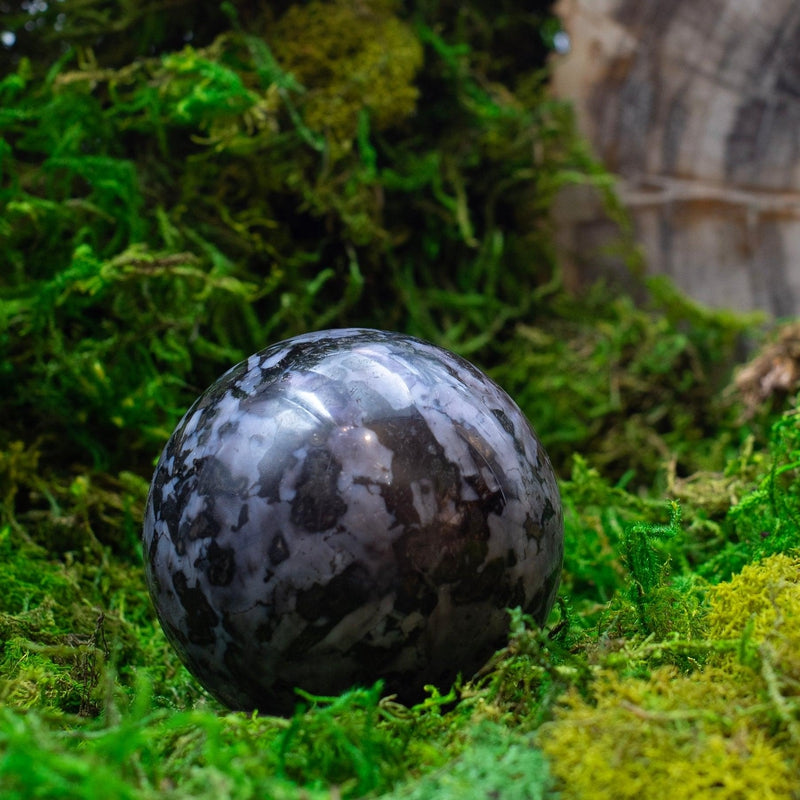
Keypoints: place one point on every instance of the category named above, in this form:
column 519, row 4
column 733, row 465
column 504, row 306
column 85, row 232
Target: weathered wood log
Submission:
column 696, row 107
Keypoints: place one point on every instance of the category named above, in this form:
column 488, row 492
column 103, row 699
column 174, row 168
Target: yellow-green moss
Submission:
column 668, row 736
column 728, row 730
column 765, row 599
column 349, row 55
column 761, row 607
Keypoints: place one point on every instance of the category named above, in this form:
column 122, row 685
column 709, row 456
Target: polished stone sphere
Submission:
column 346, row 506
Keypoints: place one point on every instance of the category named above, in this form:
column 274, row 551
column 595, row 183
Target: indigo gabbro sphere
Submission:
column 347, row 506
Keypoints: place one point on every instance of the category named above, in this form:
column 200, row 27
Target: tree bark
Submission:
column 696, row 107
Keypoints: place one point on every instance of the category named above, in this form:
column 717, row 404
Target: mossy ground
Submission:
column 178, row 190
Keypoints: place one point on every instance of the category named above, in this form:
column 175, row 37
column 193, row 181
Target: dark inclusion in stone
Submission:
column 343, row 507
column 218, row 564
column 200, row 617
column 317, row 504
column 278, row 550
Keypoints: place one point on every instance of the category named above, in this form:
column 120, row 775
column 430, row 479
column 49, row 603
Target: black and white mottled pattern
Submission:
column 345, row 506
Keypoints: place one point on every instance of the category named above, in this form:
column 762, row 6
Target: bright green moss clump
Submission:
column 496, row 763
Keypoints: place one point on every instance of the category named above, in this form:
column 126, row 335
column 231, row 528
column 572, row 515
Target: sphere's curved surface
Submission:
column 345, row 506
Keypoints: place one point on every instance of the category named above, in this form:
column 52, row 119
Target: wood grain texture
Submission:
column 696, row 107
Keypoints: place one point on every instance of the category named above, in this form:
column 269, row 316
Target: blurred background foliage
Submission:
column 178, row 190
column 183, row 184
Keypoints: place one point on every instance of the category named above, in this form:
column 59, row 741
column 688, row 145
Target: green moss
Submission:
column 496, row 763
column 180, row 190
column 634, row 386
